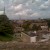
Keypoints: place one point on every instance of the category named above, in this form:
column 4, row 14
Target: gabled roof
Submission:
column 31, row 34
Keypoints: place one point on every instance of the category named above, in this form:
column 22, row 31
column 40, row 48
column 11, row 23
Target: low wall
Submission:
column 24, row 46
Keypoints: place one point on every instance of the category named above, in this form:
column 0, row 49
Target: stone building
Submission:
column 28, row 37
column 43, row 35
column 44, row 28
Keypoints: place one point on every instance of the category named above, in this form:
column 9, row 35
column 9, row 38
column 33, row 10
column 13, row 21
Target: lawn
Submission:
column 6, row 37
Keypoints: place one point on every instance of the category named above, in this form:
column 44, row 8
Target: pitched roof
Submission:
column 31, row 34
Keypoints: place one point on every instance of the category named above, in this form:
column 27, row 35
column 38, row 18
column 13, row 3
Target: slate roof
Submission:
column 31, row 34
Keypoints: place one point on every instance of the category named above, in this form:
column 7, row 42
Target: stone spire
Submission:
column 4, row 11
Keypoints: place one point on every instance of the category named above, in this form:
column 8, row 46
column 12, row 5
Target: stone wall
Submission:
column 25, row 37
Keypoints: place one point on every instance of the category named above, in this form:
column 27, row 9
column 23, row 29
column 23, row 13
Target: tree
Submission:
column 26, row 25
column 35, row 27
column 5, row 25
column 48, row 22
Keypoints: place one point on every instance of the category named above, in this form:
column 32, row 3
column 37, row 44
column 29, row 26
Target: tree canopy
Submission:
column 5, row 25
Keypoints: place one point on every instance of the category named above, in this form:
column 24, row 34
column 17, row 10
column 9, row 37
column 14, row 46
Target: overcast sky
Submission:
column 26, row 9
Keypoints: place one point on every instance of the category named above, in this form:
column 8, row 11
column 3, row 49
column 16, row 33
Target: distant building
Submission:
column 18, row 29
column 28, row 37
column 44, row 28
column 41, row 23
column 43, row 35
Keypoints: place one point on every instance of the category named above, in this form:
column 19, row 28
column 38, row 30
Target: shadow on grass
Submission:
column 6, row 37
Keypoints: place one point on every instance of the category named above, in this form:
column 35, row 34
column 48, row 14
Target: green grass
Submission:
column 7, row 37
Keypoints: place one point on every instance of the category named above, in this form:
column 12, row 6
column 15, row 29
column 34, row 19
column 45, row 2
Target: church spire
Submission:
column 4, row 10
